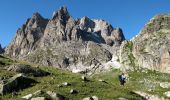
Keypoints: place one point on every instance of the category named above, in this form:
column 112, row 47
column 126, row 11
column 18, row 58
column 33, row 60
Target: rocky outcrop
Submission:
column 146, row 96
column 14, row 83
column 27, row 69
column 64, row 42
column 151, row 48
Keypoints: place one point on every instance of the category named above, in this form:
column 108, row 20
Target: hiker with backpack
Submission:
column 122, row 79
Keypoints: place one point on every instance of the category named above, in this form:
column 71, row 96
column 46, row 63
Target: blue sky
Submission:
column 130, row 15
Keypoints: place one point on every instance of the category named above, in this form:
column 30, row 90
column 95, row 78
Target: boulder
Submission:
column 72, row 91
column 55, row 96
column 27, row 69
column 147, row 96
column 27, row 97
column 15, row 83
column 39, row 98
column 165, row 85
column 167, row 94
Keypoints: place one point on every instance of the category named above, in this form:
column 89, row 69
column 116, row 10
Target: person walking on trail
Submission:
column 122, row 79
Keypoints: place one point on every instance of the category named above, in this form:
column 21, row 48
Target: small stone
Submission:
column 38, row 98
column 83, row 78
column 72, row 91
column 165, row 84
column 121, row 98
column 66, row 84
column 27, row 97
column 59, row 85
column 95, row 98
column 55, row 96
column 1, row 78
column 167, row 93
column 39, row 92
column 88, row 98
column 100, row 80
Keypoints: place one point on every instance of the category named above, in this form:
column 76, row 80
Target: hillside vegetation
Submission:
column 108, row 89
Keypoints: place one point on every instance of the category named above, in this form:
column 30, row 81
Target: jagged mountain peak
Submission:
column 62, row 13
column 36, row 21
column 37, row 15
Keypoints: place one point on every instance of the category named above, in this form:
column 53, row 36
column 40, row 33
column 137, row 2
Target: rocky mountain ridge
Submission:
column 89, row 46
column 63, row 42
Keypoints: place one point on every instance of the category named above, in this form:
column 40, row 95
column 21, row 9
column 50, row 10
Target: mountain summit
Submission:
column 84, row 45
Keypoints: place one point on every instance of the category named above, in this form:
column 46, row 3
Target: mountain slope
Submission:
column 103, row 85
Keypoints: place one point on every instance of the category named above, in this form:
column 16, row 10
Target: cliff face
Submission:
column 63, row 42
column 151, row 48
column 1, row 49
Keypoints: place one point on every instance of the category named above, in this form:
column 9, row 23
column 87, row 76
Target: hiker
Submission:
column 122, row 79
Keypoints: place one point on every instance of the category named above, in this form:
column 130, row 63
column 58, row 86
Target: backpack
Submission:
column 120, row 77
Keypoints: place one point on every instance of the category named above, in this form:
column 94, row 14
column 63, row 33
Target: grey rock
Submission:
column 15, row 83
column 96, row 98
column 165, row 85
column 1, row 78
column 88, row 98
column 37, row 93
column 92, row 98
column 72, row 91
column 121, row 98
column 66, row 84
column 27, row 69
column 55, row 96
column 146, row 96
column 38, row 98
column 167, row 94
column 27, row 97
column 100, row 80
column 83, row 78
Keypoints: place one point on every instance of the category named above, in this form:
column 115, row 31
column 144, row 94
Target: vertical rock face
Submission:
column 27, row 37
column 64, row 42
column 1, row 49
column 150, row 49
